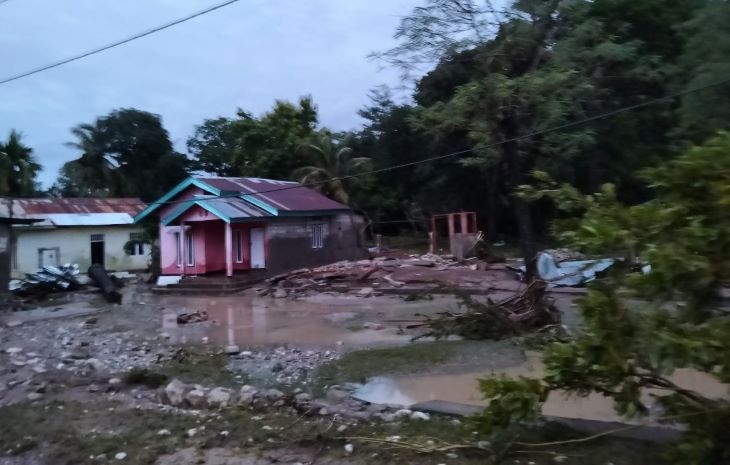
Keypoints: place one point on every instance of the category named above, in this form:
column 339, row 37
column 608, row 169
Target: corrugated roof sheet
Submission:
column 285, row 196
column 75, row 211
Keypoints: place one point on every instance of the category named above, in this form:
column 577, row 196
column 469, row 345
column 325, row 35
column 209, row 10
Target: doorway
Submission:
column 258, row 255
column 97, row 249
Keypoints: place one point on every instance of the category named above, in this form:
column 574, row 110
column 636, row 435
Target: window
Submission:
column 97, row 238
column 317, row 236
column 239, row 246
column 178, row 249
column 136, row 246
column 190, row 249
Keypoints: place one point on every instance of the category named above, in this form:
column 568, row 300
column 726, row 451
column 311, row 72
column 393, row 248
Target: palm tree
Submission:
column 18, row 167
column 329, row 164
column 93, row 172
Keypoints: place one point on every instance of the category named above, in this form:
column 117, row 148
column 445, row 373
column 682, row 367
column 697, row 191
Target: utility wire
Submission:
column 115, row 44
column 462, row 152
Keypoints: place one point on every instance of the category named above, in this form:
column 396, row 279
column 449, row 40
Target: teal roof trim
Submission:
column 186, row 206
column 261, row 204
column 173, row 192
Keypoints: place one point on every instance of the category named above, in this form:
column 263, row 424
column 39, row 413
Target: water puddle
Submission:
column 464, row 388
column 247, row 320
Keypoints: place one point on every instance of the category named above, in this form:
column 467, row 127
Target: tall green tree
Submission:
column 640, row 327
column 93, row 173
column 328, row 162
column 125, row 153
column 18, row 167
column 264, row 146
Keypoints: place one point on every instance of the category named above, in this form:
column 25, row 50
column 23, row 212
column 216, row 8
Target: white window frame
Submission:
column 317, row 232
column 137, row 245
column 190, row 252
column 239, row 246
column 178, row 248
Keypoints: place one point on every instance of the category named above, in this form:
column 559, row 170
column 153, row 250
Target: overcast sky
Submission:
column 244, row 55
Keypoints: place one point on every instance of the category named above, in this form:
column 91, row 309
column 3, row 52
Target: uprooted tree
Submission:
column 640, row 327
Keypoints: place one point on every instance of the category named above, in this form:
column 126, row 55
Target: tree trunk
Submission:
column 515, row 178
column 492, row 178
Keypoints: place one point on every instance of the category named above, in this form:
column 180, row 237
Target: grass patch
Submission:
column 74, row 432
column 199, row 366
column 358, row 366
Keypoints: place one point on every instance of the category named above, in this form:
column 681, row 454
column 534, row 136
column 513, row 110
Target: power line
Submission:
column 116, row 44
column 462, row 152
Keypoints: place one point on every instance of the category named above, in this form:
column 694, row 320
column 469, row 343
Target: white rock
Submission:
column 164, row 432
column 34, row 396
column 349, row 449
column 196, row 399
column 219, row 397
column 402, row 413
column 560, row 458
column 115, row 381
column 232, row 349
column 120, row 455
column 420, row 416
column 175, row 392
column 192, row 432
column 13, row 350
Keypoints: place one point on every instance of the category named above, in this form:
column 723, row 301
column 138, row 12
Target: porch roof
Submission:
column 228, row 209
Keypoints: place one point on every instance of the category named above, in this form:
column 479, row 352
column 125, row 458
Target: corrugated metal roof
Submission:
column 285, row 196
column 75, row 211
column 235, row 208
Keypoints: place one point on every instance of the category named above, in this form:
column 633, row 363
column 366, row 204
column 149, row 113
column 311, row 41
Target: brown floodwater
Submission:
column 323, row 321
column 464, row 388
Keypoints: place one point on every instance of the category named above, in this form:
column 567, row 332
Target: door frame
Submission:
column 263, row 247
column 103, row 248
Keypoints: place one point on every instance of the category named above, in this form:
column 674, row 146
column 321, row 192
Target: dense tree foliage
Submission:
column 264, row 146
column 18, row 167
column 126, row 153
column 630, row 345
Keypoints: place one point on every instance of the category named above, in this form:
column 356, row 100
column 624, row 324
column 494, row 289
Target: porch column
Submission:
column 229, row 250
column 183, row 247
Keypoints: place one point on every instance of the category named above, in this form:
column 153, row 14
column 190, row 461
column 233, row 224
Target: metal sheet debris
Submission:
column 47, row 279
column 569, row 272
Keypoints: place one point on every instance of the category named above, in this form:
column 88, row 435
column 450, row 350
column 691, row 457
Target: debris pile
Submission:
column 366, row 277
column 46, row 280
column 526, row 311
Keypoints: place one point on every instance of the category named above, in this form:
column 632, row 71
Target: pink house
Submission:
column 210, row 224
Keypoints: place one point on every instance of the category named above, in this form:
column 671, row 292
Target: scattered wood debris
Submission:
column 194, row 317
column 419, row 271
column 526, row 311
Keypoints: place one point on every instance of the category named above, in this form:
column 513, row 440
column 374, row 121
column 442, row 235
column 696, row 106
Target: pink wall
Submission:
column 208, row 236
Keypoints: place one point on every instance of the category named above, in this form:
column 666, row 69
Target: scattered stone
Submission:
column 280, row 293
column 115, row 381
column 560, row 458
column 337, row 396
column 232, row 349
column 196, row 399
column 246, row 395
column 349, row 449
column 219, row 397
column 194, row 317
column 373, row 326
column 420, row 416
column 13, row 350
column 486, row 445
column 164, row 432
column 120, row 455
column 273, row 394
column 34, row 396
column 191, row 432
column 403, row 413
column 175, row 392
column 341, row 428
column 452, row 455
column 366, row 292
column 303, row 398
column 94, row 388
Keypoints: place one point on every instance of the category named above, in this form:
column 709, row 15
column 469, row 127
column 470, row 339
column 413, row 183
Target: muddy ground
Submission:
column 89, row 388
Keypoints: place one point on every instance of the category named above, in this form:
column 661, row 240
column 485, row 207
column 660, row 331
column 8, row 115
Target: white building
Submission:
column 77, row 230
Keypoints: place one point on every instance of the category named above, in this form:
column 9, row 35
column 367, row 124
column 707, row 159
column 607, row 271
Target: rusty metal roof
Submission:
column 75, row 211
column 284, row 196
